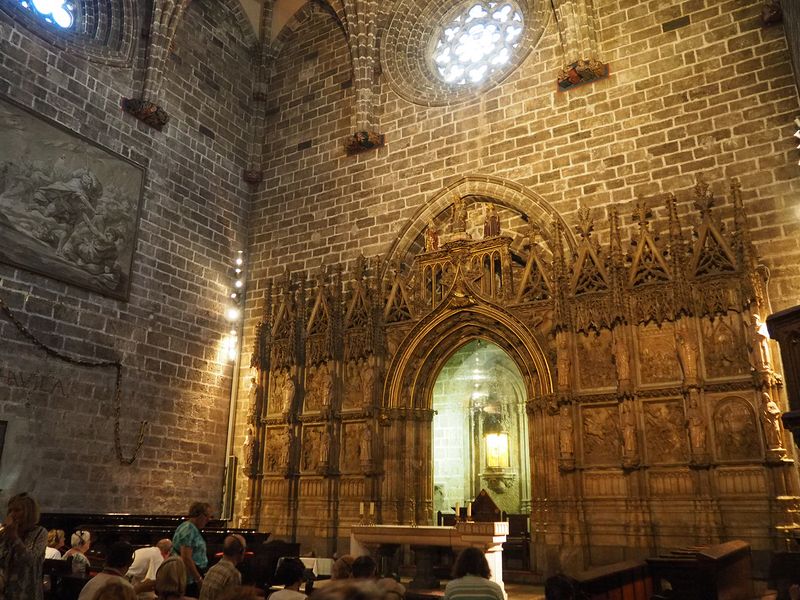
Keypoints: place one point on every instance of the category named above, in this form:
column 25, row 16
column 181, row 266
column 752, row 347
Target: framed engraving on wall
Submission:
column 3, row 426
column 69, row 209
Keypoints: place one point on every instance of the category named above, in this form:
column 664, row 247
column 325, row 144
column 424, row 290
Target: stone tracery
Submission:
column 621, row 368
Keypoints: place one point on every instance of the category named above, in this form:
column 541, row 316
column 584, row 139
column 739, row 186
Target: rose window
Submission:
column 56, row 12
column 478, row 42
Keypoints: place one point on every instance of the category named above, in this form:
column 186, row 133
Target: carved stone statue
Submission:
column 311, row 450
column 325, row 386
column 563, row 361
column 287, row 394
column 285, row 445
column 697, row 426
column 431, row 237
column 759, row 343
column 628, row 419
column 622, row 358
column 772, row 422
column 566, row 441
column 367, row 382
column 688, row 350
column 249, row 453
column 256, row 408
column 365, row 446
column 459, row 224
column 491, row 224
column 324, row 446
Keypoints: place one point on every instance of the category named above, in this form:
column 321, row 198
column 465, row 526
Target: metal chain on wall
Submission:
column 117, row 365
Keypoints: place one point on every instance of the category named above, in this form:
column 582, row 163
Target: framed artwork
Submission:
column 69, row 209
column 3, row 426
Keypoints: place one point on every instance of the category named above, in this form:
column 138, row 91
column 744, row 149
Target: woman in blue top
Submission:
column 189, row 544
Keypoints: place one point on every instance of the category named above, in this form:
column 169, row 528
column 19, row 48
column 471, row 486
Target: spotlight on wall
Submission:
column 233, row 309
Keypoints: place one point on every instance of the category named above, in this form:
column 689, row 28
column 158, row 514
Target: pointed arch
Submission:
column 459, row 319
column 501, row 191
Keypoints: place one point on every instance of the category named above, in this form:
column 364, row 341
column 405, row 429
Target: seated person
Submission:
column 365, row 568
column 171, row 579
column 142, row 573
column 343, row 567
column 81, row 542
column 224, row 575
column 115, row 590
column 291, row 574
column 559, row 587
column 471, row 578
column 55, row 542
column 119, row 558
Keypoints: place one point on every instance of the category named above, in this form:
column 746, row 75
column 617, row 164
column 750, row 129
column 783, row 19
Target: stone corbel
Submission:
column 577, row 25
column 771, row 12
column 499, row 479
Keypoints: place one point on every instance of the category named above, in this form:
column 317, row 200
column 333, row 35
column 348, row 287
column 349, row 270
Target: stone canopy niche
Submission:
column 651, row 396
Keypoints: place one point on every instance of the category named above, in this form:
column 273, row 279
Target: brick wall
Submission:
column 714, row 97
column 59, row 444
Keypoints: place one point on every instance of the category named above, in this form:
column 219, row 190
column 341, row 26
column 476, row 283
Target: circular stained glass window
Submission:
column 56, row 12
column 477, row 42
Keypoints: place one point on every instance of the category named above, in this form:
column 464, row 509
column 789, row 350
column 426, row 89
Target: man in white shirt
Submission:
column 142, row 573
column 119, row 558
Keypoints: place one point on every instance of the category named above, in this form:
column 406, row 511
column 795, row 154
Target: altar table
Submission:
column 489, row 537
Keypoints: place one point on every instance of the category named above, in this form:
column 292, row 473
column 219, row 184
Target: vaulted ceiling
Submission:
column 282, row 11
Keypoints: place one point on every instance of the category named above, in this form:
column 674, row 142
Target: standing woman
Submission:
column 22, row 544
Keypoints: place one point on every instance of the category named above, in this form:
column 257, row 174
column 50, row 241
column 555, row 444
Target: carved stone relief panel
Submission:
column 725, row 350
column 601, row 435
column 314, row 448
column 736, row 431
column 276, row 450
column 670, row 483
column 608, row 484
column 658, row 358
column 319, row 387
column 665, row 432
column 595, row 360
column 351, row 446
column 741, row 481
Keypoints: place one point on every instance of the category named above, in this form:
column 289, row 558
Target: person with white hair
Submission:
column 81, row 541
column 142, row 572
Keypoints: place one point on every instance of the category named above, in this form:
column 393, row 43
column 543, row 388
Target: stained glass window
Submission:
column 57, row 12
column 478, row 42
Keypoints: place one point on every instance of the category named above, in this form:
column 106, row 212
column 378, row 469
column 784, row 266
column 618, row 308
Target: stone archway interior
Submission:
column 480, row 430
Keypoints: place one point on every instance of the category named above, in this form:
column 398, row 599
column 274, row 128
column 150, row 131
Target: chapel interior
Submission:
column 320, row 264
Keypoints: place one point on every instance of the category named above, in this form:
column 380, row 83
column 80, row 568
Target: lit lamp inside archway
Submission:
column 497, row 451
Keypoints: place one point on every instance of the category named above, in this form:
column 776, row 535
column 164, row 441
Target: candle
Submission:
column 371, row 509
column 458, row 510
column 469, row 510
column 360, row 509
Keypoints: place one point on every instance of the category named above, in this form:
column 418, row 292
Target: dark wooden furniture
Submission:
column 517, row 547
column 629, row 580
column 724, row 571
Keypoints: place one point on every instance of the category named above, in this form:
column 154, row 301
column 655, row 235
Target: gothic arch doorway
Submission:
column 480, row 430
column 463, row 318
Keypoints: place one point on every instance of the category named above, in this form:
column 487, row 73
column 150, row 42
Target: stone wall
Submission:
column 59, row 444
column 709, row 94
